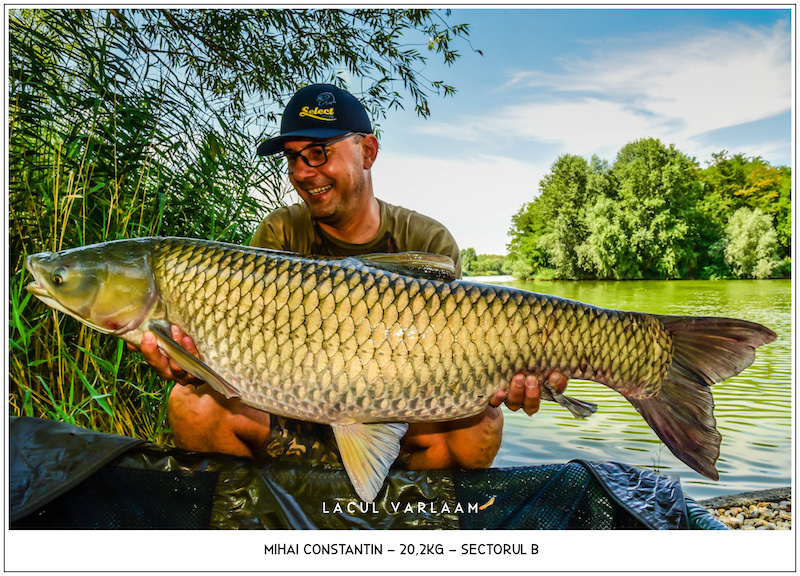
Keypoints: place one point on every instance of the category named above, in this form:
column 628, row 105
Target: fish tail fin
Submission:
column 682, row 415
column 707, row 351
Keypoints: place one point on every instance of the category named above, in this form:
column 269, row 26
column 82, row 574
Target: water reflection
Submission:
column 753, row 410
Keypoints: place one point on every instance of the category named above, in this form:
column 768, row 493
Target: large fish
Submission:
column 370, row 343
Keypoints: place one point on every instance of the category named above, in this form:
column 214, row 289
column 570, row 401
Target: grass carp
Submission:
column 370, row 343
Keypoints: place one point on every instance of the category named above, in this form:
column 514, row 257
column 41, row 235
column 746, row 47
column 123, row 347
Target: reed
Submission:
column 97, row 152
column 59, row 368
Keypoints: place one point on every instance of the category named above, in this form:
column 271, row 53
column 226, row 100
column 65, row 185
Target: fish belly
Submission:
column 328, row 341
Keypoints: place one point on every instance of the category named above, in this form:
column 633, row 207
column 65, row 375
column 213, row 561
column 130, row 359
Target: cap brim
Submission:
column 275, row 145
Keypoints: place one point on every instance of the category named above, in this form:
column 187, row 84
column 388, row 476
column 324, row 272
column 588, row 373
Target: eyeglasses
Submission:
column 314, row 155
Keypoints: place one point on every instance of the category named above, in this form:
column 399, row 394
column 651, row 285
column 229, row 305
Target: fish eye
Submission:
column 59, row 276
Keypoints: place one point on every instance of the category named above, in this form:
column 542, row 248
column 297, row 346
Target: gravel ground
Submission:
column 763, row 510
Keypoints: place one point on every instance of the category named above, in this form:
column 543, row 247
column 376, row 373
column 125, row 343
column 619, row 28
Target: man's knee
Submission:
column 203, row 420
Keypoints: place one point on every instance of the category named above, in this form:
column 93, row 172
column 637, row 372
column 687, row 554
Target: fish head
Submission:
column 109, row 286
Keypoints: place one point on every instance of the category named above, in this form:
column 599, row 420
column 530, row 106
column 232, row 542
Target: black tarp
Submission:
column 63, row 476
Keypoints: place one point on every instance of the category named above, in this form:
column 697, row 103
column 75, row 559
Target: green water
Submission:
column 753, row 409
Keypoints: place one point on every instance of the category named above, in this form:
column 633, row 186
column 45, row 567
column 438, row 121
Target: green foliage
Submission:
column 657, row 192
column 731, row 183
column 139, row 122
column 652, row 214
column 548, row 232
column 751, row 244
column 606, row 250
column 527, row 231
column 473, row 264
column 518, row 267
column 468, row 259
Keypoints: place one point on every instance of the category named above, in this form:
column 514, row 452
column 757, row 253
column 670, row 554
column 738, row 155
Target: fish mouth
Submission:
column 35, row 287
column 42, row 294
column 37, row 290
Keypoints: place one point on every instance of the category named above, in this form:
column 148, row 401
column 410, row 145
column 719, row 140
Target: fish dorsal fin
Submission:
column 190, row 363
column 368, row 451
column 417, row 264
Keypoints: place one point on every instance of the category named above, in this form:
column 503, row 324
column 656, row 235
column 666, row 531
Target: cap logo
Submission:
column 318, row 113
column 323, row 110
column 325, row 99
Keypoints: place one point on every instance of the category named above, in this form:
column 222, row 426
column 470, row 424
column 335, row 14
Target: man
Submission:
column 329, row 149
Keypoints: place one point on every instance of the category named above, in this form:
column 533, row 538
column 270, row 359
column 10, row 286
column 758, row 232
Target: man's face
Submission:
column 335, row 191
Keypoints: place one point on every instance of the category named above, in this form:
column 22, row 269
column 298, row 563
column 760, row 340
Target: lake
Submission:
column 753, row 410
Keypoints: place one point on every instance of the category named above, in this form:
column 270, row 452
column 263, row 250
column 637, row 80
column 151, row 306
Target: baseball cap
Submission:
column 318, row 111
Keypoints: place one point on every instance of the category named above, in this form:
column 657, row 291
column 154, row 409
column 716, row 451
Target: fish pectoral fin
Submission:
column 417, row 264
column 579, row 408
column 368, row 451
column 190, row 363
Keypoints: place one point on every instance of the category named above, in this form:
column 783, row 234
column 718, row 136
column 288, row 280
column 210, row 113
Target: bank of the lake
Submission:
column 760, row 510
column 753, row 409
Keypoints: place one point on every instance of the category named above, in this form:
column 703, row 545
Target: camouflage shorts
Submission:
column 307, row 441
column 303, row 440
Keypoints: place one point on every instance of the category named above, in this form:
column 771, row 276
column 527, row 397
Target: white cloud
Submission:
column 584, row 126
column 676, row 90
column 474, row 198
column 469, row 131
column 714, row 80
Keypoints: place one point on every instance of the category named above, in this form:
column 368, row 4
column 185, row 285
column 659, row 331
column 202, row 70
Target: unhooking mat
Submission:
column 62, row 476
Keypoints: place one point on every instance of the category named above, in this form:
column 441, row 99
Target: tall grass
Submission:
column 59, row 368
column 99, row 151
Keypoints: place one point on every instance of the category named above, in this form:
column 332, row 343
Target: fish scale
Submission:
column 370, row 343
column 382, row 334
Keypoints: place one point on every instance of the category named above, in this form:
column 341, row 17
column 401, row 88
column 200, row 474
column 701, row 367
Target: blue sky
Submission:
column 584, row 81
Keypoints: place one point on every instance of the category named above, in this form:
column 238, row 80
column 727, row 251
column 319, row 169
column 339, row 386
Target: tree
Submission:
column 722, row 180
column 751, row 244
column 658, row 193
column 526, row 250
column 548, row 231
column 769, row 189
column 605, row 251
column 733, row 182
column 468, row 259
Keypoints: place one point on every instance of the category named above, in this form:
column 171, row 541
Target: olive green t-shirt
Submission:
column 291, row 228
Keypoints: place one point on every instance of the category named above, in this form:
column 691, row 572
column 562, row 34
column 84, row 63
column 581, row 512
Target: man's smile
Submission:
column 318, row 191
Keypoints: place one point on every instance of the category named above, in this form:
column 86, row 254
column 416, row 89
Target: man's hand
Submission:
column 523, row 392
column 164, row 366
